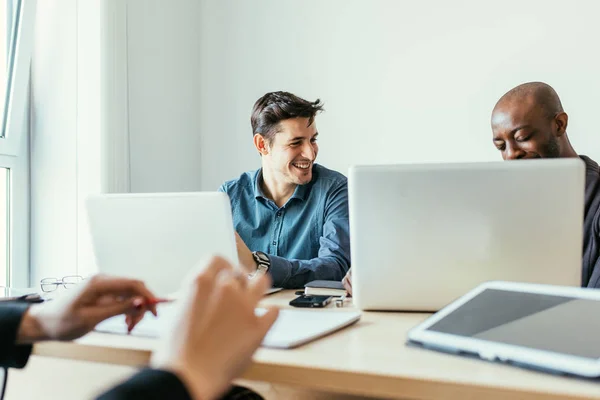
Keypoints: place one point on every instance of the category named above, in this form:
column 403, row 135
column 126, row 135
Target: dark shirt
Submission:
column 11, row 354
column 148, row 384
column 590, row 276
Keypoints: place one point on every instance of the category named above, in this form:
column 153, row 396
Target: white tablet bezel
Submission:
column 492, row 351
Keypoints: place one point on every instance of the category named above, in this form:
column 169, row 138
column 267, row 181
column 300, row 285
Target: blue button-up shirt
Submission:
column 306, row 239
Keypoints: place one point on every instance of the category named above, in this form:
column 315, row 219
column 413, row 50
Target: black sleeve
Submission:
column 11, row 354
column 594, row 281
column 149, row 384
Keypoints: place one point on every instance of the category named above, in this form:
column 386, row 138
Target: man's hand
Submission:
column 347, row 281
column 79, row 311
column 245, row 255
column 216, row 330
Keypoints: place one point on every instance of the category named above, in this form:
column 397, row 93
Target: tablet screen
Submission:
column 540, row 321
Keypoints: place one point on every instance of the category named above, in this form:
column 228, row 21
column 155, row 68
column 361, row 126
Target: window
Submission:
column 4, row 36
column 3, row 226
column 16, row 42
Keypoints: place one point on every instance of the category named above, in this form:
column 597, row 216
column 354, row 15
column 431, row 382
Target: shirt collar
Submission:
column 590, row 164
column 300, row 192
column 257, row 189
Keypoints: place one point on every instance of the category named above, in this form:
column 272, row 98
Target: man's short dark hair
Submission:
column 274, row 107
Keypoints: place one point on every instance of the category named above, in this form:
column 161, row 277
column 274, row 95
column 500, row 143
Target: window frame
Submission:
column 15, row 117
column 18, row 220
column 14, row 145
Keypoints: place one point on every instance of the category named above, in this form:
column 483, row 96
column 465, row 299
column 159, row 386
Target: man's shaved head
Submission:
column 539, row 93
column 529, row 122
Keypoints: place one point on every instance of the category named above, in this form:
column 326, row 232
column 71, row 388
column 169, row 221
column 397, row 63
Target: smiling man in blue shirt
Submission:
column 291, row 215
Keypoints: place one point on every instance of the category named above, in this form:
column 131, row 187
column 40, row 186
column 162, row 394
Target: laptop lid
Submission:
column 159, row 237
column 424, row 234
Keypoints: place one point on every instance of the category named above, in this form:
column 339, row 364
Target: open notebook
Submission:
column 292, row 328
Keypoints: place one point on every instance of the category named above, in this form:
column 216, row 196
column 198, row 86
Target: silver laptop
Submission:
column 158, row 238
column 422, row 235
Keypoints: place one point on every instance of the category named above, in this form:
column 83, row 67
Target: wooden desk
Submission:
column 369, row 358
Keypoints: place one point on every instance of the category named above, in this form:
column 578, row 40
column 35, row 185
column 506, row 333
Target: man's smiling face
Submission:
column 521, row 129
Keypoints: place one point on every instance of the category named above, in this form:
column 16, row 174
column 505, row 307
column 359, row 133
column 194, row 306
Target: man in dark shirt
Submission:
column 529, row 122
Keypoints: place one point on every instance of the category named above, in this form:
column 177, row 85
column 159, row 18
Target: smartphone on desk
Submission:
column 312, row 301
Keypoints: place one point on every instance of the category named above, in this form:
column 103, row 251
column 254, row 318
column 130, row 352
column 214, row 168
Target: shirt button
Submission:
column 278, row 213
column 274, row 243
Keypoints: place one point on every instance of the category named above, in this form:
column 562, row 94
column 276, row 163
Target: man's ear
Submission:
column 561, row 121
column 261, row 144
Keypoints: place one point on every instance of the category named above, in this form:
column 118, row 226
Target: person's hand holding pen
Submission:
column 141, row 306
column 79, row 311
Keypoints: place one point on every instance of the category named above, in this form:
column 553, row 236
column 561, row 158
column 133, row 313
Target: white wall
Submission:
column 109, row 114
column 53, row 141
column 163, row 67
column 155, row 95
column 402, row 81
column 89, row 126
column 65, row 135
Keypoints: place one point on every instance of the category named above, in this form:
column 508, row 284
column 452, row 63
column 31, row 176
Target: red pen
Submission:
column 150, row 302
column 139, row 304
column 155, row 301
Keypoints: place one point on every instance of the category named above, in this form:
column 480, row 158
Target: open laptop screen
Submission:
column 540, row 321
